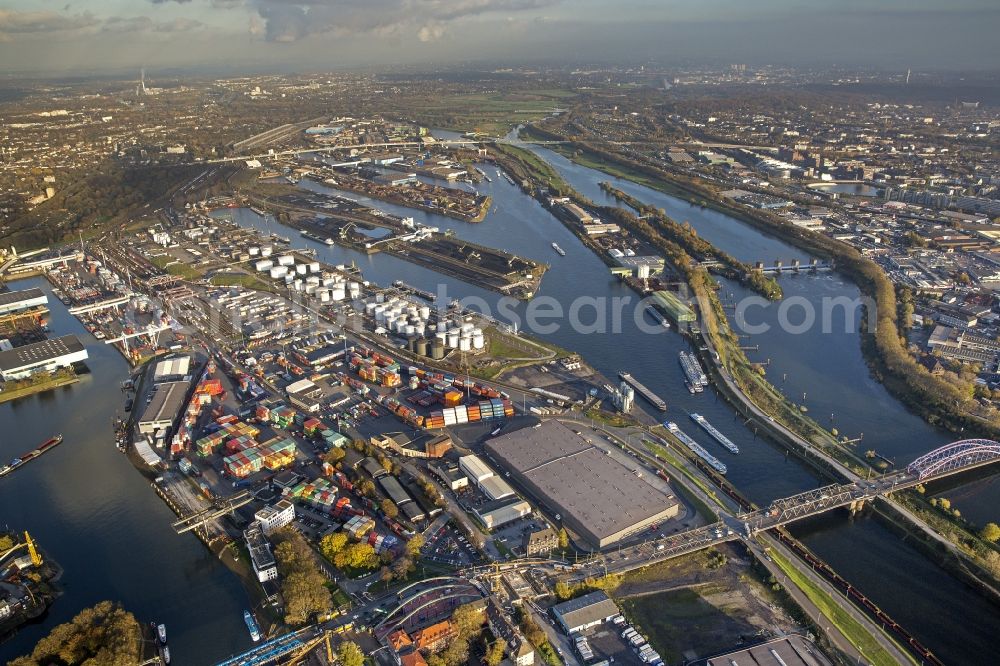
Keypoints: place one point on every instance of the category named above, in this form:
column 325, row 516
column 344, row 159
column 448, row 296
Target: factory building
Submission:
column 584, row 612
column 44, row 356
column 162, row 411
column 500, row 512
column 15, row 301
column 275, row 516
column 595, row 496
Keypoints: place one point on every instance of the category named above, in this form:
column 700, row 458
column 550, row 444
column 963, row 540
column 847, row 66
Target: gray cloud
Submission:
column 292, row 20
column 14, row 22
column 133, row 24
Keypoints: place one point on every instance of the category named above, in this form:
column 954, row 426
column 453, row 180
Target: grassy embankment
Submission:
column 831, row 608
column 15, row 389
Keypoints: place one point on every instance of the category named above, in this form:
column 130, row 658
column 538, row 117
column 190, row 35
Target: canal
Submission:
column 94, row 513
column 827, row 366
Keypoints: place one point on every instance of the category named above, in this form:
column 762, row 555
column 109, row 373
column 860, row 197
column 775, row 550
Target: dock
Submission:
column 651, row 397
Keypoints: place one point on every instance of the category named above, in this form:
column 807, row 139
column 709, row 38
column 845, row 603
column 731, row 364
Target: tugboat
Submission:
column 251, row 625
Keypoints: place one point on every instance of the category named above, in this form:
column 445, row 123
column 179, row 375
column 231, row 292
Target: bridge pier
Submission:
column 856, row 506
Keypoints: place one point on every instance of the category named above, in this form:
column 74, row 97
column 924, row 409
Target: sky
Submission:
column 76, row 36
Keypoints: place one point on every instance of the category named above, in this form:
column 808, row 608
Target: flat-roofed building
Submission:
column 44, row 356
column 275, row 516
column 500, row 512
column 163, row 409
column 261, row 557
column 595, row 495
column 785, row 651
column 172, row 369
column 15, row 301
column 584, row 612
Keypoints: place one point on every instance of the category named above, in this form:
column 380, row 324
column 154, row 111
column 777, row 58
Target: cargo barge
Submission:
column 46, row 446
column 696, row 448
column 426, row 295
column 657, row 316
column 316, row 237
column 653, row 399
column 561, row 252
column 696, row 379
column 711, row 430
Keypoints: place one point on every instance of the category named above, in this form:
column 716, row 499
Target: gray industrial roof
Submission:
column 579, row 480
column 395, row 491
column 787, row 651
column 9, row 298
column 39, row 352
column 589, row 608
column 166, row 403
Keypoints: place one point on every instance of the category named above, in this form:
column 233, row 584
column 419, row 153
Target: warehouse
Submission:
column 394, row 490
column 584, row 612
column 172, row 369
column 596, row 496
column 500, row 512
column 305, row 395
column 496, row 488
column 162, row 411
column 44, row 356
column 785, row 651
column 475, row 468
column 14, row 301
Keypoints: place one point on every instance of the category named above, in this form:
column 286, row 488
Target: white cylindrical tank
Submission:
column 314, row 267
column 467, row 328
column 410, row 330
column 453, row 339
column 266, row 251
column 286, row 260
column 337, row 293
column 380, row 297
column 465, row 344
column 370, row 308
column 278, row 271
column 443, row 337
column 301, row 269
column 478, row 340
column 324, row 295
column 425, row 312
column 442, row 326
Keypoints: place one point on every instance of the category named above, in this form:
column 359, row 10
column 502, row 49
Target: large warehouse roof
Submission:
column 599, row 497
column 165, row 406
column 11, row 301
column 39, row 352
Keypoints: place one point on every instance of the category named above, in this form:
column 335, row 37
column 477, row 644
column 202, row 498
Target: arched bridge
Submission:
column 955, row 457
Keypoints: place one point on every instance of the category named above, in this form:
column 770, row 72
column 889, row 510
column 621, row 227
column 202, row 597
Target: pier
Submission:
column 653, row 399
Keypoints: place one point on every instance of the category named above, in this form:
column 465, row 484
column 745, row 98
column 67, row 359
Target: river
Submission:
column 94, row 513
column 828, row 367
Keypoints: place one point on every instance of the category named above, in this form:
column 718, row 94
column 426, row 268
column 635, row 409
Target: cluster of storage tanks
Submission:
column 413, row 322
column 307, row 277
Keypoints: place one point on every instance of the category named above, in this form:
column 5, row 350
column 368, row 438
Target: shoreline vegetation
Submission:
column 750, row 378
column 21, row 388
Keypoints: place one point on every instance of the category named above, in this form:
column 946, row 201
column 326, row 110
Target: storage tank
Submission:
column 299, row 285
column 410, row 329
column 441, row 337
column 324, row 295
column 380, row 297
column 411, row 344
column 314, row 267
column 467, row 328
column 254, row 251
column 370, row 309
column 420, row 348
column 278, row 271
column 301, row 269
column 266, row 251
column 286, row 260
column 437, row 350
column 442, row 326
column 337, row 293
column 465, row 344
column 478, row 339
column 453, row 339
column 354, row 289
column 425, row 312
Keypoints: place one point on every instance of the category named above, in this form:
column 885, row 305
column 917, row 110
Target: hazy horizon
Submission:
column 45, row 36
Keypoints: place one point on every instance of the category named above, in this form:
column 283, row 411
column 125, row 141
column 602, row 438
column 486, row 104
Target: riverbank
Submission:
column 38, row 384
column 933, row 398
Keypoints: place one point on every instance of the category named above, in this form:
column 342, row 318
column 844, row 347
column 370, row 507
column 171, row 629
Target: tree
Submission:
column 414, row 545
column 365, row 487
column 468, row 620
column 389, row 508
column 402, row 567
column 332, row 544
column 6, row 543
column 303, row 586
column 102, row 635
column 563, row 590
column 563, row 538
column 335, row 455
column 357, row 556
column 990, row 532
column 349, row 654
column 494, row 655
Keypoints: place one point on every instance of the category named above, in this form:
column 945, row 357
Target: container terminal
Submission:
column 711, row 430
column 696, row 448
column 653, row 399
column 696, row 379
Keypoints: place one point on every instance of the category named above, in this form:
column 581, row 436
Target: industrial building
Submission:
column 15, row 301
column 264, row 564
column 163, row 409
column 500, row 512
column 584, row 612
column 44, row 356
column 172, row 369
column 596, row 497
column 496, row 488
column 785, row 651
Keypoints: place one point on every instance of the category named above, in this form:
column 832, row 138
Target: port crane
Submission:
column 299, row 656
column 218, row 509
column 29, row 543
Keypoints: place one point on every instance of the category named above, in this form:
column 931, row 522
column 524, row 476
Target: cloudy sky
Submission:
column 69, row 36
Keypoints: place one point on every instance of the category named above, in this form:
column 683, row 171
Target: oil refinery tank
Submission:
column 437, row 351
column 421, row 347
